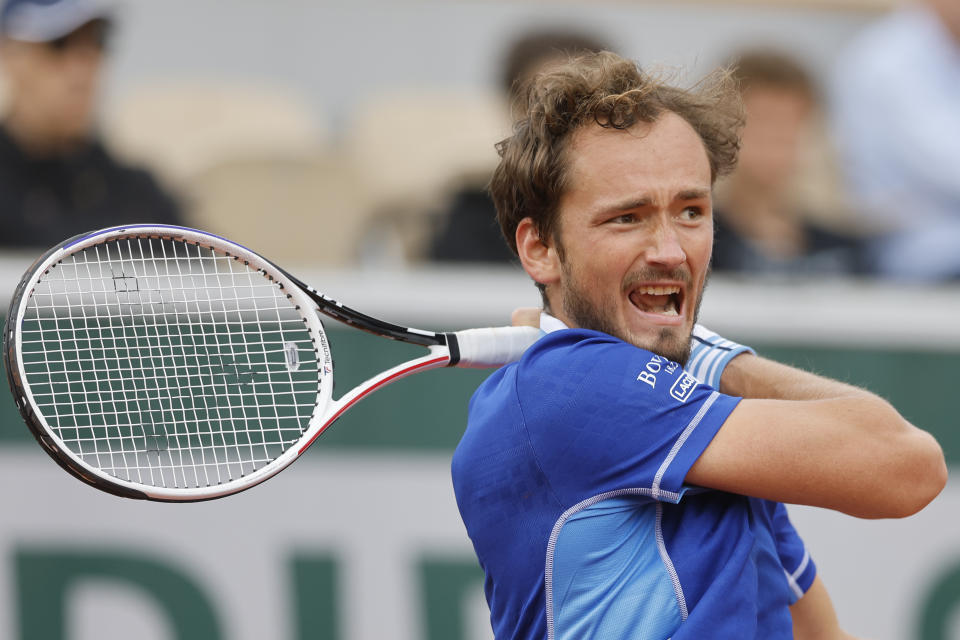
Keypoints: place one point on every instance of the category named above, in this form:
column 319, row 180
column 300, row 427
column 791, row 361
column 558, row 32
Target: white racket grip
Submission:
column 494, row 346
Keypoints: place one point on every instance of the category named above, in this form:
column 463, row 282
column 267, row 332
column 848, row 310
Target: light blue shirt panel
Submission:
column 609, row 580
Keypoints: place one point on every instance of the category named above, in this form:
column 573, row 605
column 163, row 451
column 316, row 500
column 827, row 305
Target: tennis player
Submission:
column 610, row 491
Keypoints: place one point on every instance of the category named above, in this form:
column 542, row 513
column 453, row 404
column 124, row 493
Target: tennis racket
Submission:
column 165, row 363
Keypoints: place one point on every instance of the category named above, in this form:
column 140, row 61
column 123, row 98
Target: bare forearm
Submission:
column 858, row 435
column 750, row 376
column 814, row 617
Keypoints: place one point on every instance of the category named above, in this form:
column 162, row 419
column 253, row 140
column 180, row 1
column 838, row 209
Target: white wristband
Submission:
column 709, row 354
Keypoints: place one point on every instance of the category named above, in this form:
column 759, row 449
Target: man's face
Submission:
column 55, row 83
column 635, row 234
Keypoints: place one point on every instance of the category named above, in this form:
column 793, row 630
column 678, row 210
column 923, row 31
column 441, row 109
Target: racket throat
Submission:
column 437, row 358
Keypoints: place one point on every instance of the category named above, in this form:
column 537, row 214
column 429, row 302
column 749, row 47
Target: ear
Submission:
column 539, row 259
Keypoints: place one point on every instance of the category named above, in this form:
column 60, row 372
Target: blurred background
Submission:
column 351, row 143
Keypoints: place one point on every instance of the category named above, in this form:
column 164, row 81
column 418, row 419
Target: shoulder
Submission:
column 7, row 145
column 571, row 346
column 560, row 364
column 13, row 161
column 581, row 375
column 129, row 173
column 596, row 414
column 572, row 361
column 134, row 188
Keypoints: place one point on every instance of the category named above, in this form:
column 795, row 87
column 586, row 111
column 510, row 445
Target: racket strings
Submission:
column 168, row 364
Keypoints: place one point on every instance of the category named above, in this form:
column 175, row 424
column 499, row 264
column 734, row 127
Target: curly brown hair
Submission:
column 608, row 90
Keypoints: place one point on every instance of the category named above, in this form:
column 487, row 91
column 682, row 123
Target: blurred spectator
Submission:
column 760, row 227
column 896, row 94
column 536, row 50
column 56, row 178
column 469, row 231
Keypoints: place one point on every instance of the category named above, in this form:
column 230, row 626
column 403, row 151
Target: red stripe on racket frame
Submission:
column 366, row 392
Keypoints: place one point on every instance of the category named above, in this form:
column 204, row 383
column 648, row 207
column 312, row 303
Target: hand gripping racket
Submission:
column 165, row 363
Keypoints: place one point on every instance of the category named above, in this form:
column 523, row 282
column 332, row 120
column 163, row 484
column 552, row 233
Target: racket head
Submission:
column 166, row 363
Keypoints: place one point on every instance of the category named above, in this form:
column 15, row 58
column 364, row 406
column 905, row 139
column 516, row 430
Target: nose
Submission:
column 665, row 248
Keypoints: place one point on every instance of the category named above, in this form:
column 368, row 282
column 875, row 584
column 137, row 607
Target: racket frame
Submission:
column 306, row 299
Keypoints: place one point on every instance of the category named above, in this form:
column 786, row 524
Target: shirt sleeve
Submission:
column 604, row 416
column 797, row 564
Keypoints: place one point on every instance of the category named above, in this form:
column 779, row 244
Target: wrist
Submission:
column 736, row 375
column 710, row 354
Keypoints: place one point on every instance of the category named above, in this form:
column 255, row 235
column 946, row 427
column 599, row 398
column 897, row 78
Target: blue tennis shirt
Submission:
column 570, row 480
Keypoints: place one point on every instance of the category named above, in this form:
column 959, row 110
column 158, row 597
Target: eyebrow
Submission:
column 643, row 201
column 693, row 194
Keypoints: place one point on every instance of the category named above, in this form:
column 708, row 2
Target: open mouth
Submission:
column 665, row 300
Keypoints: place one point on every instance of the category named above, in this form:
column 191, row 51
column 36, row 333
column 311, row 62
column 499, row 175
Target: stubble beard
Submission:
column 671, row 343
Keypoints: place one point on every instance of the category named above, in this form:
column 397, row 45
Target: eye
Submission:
column 623, row 218
column 691, row 214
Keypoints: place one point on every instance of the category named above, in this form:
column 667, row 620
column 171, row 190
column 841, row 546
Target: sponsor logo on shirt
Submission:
column 655, row 366
column 683, row 387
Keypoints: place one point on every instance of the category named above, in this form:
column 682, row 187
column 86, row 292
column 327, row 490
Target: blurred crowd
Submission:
column 855, row 174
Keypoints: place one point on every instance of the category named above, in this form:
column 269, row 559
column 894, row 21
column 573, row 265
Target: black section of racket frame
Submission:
column 362, row 321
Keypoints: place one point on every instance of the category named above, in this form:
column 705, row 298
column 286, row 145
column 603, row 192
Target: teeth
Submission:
column 669, row 305
column 668, row 309
column 658, row 291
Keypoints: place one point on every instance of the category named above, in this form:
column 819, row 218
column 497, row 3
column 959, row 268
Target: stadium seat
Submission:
column 181, row 128
column 411, row 146
column 308, row 209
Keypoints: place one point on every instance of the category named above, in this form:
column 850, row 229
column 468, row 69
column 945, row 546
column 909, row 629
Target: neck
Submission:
column 35, row 138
